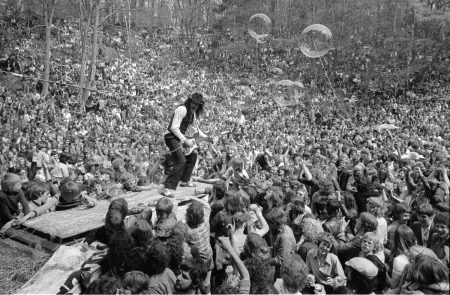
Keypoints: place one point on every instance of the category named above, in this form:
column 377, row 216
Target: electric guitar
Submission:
column 187, row 150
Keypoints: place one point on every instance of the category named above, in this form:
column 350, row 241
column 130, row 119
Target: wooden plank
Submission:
column 76, row 221
column 21, row 247
column 31, row 240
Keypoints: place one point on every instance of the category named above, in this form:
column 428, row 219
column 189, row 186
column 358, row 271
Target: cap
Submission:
column 364, row 266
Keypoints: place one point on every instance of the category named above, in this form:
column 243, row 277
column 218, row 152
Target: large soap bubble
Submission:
column 316, row 41
column 259, row 27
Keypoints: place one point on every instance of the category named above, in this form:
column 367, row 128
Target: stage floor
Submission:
column 77, row 221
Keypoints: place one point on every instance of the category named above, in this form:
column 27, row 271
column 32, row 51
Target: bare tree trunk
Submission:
column 84, row 27
column 273, row 6
column 49, row 9
column 94, row 53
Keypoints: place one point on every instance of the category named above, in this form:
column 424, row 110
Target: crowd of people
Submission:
column 302, row 201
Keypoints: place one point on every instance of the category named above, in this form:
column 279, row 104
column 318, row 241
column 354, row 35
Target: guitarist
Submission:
column 185, row 116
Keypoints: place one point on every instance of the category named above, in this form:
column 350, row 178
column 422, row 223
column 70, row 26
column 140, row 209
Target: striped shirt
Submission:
column 199, row 237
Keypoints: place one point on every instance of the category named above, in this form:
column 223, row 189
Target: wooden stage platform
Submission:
column 73, row 223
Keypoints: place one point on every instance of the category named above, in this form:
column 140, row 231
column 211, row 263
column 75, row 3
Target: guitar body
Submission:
column 188, row 150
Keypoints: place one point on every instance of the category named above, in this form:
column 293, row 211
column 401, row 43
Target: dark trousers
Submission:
column 182, row 165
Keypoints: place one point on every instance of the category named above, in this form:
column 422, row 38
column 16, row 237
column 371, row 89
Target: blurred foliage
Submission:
column 387, row 46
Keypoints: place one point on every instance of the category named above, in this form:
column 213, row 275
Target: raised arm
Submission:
column 226, row 244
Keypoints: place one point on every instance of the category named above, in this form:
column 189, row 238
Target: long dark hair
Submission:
column 187, row 104
column 404, row 239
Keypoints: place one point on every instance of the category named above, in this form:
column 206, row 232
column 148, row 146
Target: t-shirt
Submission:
column 399, row 264
column 382, row 230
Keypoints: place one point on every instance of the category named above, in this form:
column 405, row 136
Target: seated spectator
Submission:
column 325, row 266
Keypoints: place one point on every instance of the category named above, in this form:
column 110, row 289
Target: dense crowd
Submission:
column 303, row 200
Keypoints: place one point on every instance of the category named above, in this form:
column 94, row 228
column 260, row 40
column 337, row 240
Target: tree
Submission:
column 94, row 51
column 49, row 9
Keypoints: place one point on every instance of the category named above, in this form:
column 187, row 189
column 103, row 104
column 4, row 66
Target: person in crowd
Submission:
column 284, row 243
column 122, row 255
column 427, row 275
column 370, row 247
column 401, row 214
column 375, row 206
column 165, row 217
column 261, row 274
column 440, row 239
column 424, row 228
column 197, row 219
column 135, row 282
column 401, row 255
column 325, row 266
column 347, row 246
column 312, row 230
column 11, row 195
column 41, row 200
column 192, row 276
column 292, row 276
column 162, row 278
column 243, row 286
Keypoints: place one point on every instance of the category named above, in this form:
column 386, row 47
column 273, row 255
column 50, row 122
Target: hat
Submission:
column 197, row 98
column 364, row 266
column 10, row 180
column 70, row 195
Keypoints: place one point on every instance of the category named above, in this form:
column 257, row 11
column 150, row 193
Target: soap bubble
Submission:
column 259, row 27
column 316, row 41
